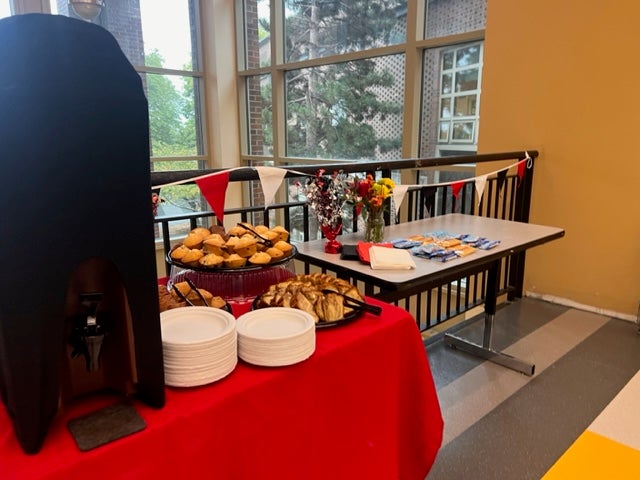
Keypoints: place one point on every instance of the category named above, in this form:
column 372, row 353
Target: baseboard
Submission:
column 580, row 306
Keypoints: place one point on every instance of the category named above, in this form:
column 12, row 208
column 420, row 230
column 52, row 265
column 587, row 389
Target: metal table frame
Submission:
column 515, row 237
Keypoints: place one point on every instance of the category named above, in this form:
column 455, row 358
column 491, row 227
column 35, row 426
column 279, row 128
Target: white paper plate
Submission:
column 195, row 325
column 274, row 324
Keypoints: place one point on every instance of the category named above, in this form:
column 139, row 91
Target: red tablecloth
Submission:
column 363, row 406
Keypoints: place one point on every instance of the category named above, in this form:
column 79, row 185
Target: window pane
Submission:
column 467, row 80
column 260, row 115
column 173, row 126
column 447, row 81
column 150, row 32
column 318, row 29
column 463, row 131
column 5, row 8
column 448, row 17
column 468, row 56
column 445, row 108
column 465, row 106
column 444, row 131
column 350, row 110
column 257, row 33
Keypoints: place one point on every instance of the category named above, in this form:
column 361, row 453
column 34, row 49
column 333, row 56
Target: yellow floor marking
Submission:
column 593, row 456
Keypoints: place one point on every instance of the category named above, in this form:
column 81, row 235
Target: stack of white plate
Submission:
column 276, row 336
column 199, row 345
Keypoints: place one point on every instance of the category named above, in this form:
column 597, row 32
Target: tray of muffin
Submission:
column 243, row 247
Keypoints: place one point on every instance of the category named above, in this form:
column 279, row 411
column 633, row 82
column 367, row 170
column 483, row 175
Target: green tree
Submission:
column 172, row 130
column 331, row 109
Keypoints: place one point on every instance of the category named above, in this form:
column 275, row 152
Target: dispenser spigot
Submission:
column 87, row 336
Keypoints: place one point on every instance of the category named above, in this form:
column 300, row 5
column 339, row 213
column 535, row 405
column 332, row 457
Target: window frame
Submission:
column 413, row 49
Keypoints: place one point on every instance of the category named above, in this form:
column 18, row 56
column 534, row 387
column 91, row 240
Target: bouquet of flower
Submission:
column 371, row 194
column 370, row 199
column 326, row 195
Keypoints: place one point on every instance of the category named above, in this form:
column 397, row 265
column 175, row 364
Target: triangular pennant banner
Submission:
column 270, row 179
column 214, row 189
column 455, row 188
column 399, row 191
column 481, row 181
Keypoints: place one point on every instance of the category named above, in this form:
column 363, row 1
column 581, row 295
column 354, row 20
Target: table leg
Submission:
column 486, row 350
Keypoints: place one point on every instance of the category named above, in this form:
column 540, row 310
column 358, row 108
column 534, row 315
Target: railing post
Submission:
column 521, row 214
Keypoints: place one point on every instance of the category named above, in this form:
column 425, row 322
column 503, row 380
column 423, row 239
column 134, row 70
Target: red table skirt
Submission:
column 364, row 406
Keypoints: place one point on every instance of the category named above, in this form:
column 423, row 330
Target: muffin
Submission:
column 213, row 245
column 211, row 260
column 272, row 236
column 260, row 258
column 246, row 247
column 179, row 252
column 235, row 261
column 238, row 231
column 193, row 240
column 283, row 233
column 261, row 229
column 275, row 253
column 192, row 257
column 231, row 243
column 284, row 246
column 202, row 231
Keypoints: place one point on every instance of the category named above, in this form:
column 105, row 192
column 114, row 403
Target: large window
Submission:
column 162, row 42
column 334, row 80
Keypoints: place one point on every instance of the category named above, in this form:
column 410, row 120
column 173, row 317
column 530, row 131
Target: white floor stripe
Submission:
column 620, row 421
column 470, row 397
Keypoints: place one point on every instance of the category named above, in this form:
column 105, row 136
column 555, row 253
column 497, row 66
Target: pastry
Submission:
column 215, row 244
column 312, row 293
column 202, row 231
column 284, row 246
column 179, row 252
column 246, row 247
column 283, row 233
column 235, row 261
column 275, row 253
column 260, row 258
column 211, row 260
column 238, row 231
column 168, row 301
column 193, row 240
column 192, row 257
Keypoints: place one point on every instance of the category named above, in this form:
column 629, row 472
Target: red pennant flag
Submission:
column 521, row 166
column 214, row 189
column 456, row 187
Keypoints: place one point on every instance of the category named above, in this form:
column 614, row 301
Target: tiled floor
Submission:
column 500, row 424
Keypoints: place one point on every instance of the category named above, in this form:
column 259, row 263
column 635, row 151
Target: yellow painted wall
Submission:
column 563, row 77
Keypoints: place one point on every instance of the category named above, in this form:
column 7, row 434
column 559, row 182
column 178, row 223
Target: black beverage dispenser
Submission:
column 78, row 290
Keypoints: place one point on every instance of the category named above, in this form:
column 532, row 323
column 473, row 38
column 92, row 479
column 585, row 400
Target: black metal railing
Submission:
column 506, row 196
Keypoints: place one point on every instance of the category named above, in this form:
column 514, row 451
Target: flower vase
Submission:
column 331, row 232
column 374, row 226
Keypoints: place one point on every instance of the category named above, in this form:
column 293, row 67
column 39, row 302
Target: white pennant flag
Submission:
column 270, row 179
column 481, row 181
column 399, row 191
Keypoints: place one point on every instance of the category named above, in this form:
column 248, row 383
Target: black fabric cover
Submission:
column 74, row 157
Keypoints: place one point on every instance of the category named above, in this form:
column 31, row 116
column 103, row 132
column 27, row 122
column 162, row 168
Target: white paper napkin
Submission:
column 383, row 258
